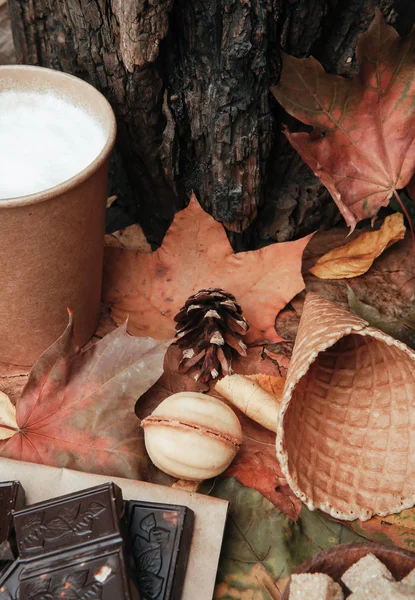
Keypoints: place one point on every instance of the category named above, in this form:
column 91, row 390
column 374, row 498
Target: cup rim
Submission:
column 75, row 180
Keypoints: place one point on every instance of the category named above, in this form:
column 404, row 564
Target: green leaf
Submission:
column 262, row 546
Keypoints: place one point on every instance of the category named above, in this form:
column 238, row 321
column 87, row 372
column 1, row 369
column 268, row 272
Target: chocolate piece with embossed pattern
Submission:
column 70, row 521
column 96, row 574
column 159, row 538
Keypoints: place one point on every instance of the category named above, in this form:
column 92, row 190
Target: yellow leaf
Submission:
column 252, row 399
column 269, row 383
column 8, row 424
column 357, row 257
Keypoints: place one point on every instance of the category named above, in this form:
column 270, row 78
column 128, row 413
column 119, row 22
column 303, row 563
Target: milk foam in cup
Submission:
column 44, row 141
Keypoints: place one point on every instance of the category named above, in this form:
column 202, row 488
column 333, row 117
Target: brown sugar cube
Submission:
column 365, row 570
column 382, row 589
column 314, row 586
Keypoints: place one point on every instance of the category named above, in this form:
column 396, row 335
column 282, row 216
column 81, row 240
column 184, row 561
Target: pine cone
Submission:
column 209, row 328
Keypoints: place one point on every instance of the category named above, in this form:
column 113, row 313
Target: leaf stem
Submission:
column 9, row 427
column 405, row 212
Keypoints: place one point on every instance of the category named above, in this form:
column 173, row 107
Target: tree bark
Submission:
column 189, row 82
column 7, row 55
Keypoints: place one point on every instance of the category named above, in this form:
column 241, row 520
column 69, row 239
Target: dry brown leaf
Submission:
column 362, row 144
column 252, row 399
column 286, row 323
column 196, row 254
column 270, row 383
column 258, row 360
column 280, row 355
column 388, row 286
column 130, row 238
column 402, row 329
column 357, row 257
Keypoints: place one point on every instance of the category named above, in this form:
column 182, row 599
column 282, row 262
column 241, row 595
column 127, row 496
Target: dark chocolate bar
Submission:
column 98, row 574
column 12, row 497
column 159, row 538
column 9, row 581
column 4, row 566
column 70, row 521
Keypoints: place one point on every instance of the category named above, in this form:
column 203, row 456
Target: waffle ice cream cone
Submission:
column 346, row 432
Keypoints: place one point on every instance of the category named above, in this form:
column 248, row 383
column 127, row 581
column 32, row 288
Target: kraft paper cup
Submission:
column 51, row 242
column 346, row 433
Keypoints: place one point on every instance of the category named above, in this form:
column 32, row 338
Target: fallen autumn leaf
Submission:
column 402, row 329
column 150, row 289
column 262, row 546
column 77, row 408
column 362, row 147
column 132, row 237
column 356, row 257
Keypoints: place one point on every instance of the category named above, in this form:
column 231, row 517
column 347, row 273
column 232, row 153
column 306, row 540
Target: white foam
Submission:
column 44, row 140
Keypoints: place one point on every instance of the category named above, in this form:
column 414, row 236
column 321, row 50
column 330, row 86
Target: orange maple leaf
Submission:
column 150, row 289
column 362, row 147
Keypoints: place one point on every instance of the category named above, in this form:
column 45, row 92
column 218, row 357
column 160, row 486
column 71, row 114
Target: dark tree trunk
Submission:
column 189, row 81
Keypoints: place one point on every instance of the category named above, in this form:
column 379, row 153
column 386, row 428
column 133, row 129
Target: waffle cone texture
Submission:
column 346, row 432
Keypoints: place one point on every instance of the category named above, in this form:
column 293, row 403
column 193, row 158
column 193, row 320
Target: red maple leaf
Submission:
column 77, row 408
column 362, row 147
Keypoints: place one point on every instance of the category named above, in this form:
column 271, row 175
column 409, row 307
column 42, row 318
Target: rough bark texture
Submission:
column 7, row 55
column 189, row 81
